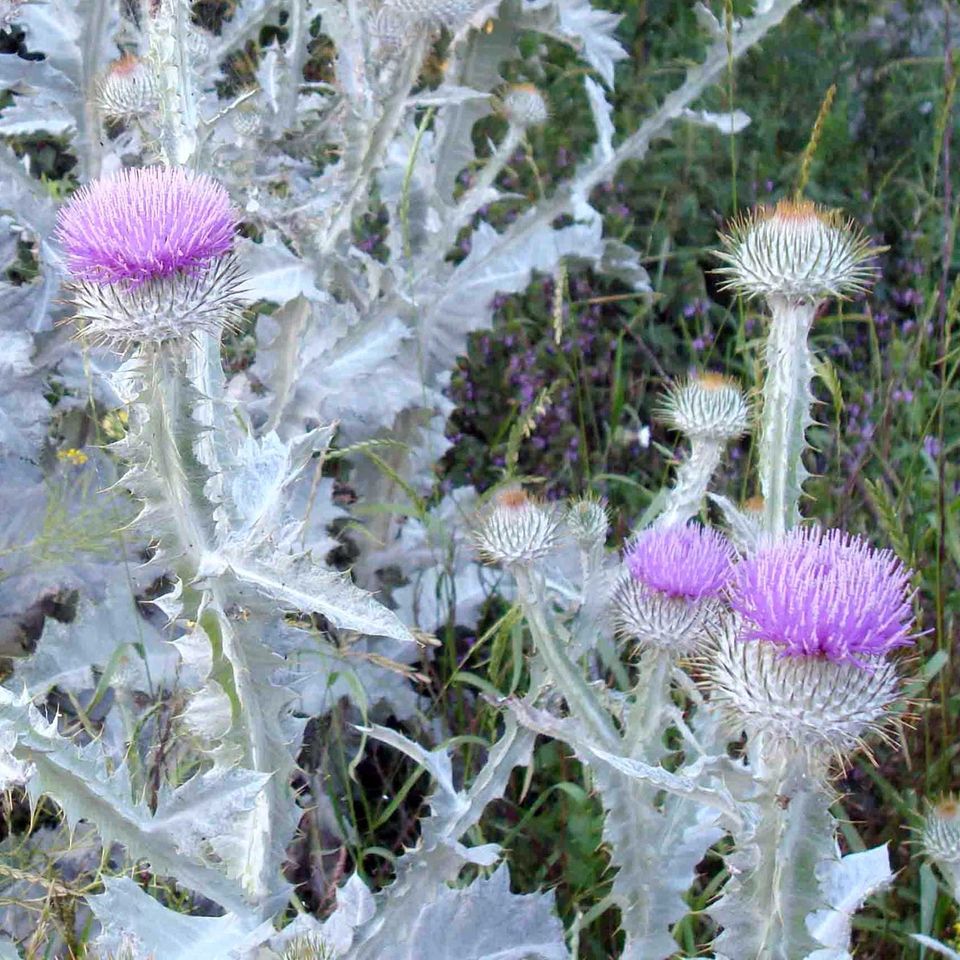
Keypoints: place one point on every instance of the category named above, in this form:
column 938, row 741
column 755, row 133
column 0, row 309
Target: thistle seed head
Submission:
column 810, row 705
column 128, row 90
column 825, row 595
column 524, row 105
column 149, row 254
column 587, row 520
column 940, row 835
column 796, row 251
column 708, row 406
column 516, row 529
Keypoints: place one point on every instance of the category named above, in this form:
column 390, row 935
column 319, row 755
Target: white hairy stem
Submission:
column 643, row 733
column 581, row 700
column 693, row 476
column 174, row 438
column 787, row 399
column 180, row 122
column 479, row 193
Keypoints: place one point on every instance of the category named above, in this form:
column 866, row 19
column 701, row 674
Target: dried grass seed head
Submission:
column 706, row 405
column 515, row 529
column 797, row 251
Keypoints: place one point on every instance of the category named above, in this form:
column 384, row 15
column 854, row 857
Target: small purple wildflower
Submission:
column 146, row 224
column 683, row 560
column 827, row 595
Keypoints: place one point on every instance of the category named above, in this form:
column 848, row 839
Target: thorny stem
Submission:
column 692, row 479
column 651, row 698
column 581, row 700
column 786, row 413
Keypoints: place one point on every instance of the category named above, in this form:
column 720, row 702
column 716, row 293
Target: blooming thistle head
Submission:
column 516, row 529
column 128, row 90
column 805, row 664
column 824, row 594
column 149, row 253
column 523, row 105
column 707, row 406
column 669, row 597
column 797, row 251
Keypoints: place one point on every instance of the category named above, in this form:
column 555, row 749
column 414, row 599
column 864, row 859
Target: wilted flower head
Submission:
column 149, row 253
column 516, row 529
column 524, row 105
column 708, row 405
column 814, row 706
column 824, row 594
column 670, row 596
column 128, row 90
column 797, row 251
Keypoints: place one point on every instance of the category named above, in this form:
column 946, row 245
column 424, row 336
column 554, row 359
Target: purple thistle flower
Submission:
column 687, row 561
column 146, row 224
column 828, row 595
column 150, row 255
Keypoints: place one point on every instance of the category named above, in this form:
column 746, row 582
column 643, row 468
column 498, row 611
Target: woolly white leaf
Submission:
column 724, row 122
column 126, row 912
column 273, row 272
column 846, row 883
column 592, row 30
column 111, row 631
column 485, row 921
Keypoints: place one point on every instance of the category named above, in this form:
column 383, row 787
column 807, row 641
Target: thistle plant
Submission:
column 215, row 219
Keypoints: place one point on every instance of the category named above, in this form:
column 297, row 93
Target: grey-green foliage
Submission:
column 226, row 474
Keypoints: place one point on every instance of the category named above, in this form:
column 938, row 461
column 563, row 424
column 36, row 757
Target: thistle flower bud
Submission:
column 149, row 252
column 435, row 13
column 524, row 105
column 669, row 597
column 515, row 529
column 706, row 405
column 587, row 521
column 128, row 90
column 940, row 836
column 796, row 251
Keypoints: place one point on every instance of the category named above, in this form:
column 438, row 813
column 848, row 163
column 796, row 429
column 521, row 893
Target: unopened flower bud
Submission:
column 706, row 405
column 524, row 105
column 128, row 90
column 516, row 529
column 587, row 521
column 796, row 251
